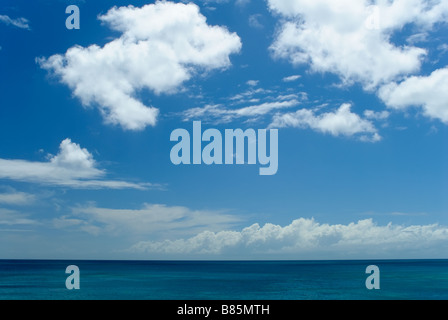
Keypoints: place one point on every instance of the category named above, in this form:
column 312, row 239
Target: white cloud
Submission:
column 220, row 114
column 11, row 217
column 162, row 45
column 443, row 48
column 21, row 23
column 305, row 238
column 428, row 92
column 71, row 155
column 237, row 2
column 291, row 78
column 16, row 198
column 334, row 36
column 265, row 108
column 342, row 122
column 242, row 97
column 151, row 219
column 252, row 83
column 418, row 37
column 72, row 167
column 376, row 115
column 254, row 21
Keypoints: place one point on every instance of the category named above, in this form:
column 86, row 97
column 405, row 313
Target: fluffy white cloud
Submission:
column 428, row 92
column 342, row 122
column 306, row 237
column 72, row 167
column 21, row 23
column 152, row 218
column 220, row 114
column 352, row 40
column 162, row 45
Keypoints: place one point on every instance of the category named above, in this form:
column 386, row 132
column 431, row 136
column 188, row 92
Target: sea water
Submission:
column 224, row 280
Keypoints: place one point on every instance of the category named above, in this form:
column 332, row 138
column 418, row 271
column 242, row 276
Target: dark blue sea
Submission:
column 180, row 280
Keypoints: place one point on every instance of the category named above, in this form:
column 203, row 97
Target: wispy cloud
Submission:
column 254, row 21
column 291, row 78
column 221, row 114
column 21, row 23
column 17, row 198
column 237, row 2
column 250, row 94
column 12, row 218
column 150, row 219
column 72, row 167
column 376, row 115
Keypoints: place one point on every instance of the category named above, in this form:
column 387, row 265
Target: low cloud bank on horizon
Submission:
column 306, row 238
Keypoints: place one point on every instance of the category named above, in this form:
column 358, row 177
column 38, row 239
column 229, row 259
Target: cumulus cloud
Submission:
column 426, row 92
column 152, row 218
column 339, row 37
column 161, row 46
column 342, row 122
column 72, row 167
column 306, row 237
column 21, row 23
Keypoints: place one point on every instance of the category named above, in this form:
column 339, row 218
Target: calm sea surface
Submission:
column 180, row 280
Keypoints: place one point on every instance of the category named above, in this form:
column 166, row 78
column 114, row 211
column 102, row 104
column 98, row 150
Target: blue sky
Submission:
column 357, row 92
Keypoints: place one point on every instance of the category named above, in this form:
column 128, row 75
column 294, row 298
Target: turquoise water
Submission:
column 273, row 280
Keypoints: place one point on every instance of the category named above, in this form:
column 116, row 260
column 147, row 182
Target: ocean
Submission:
column 218, row 280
